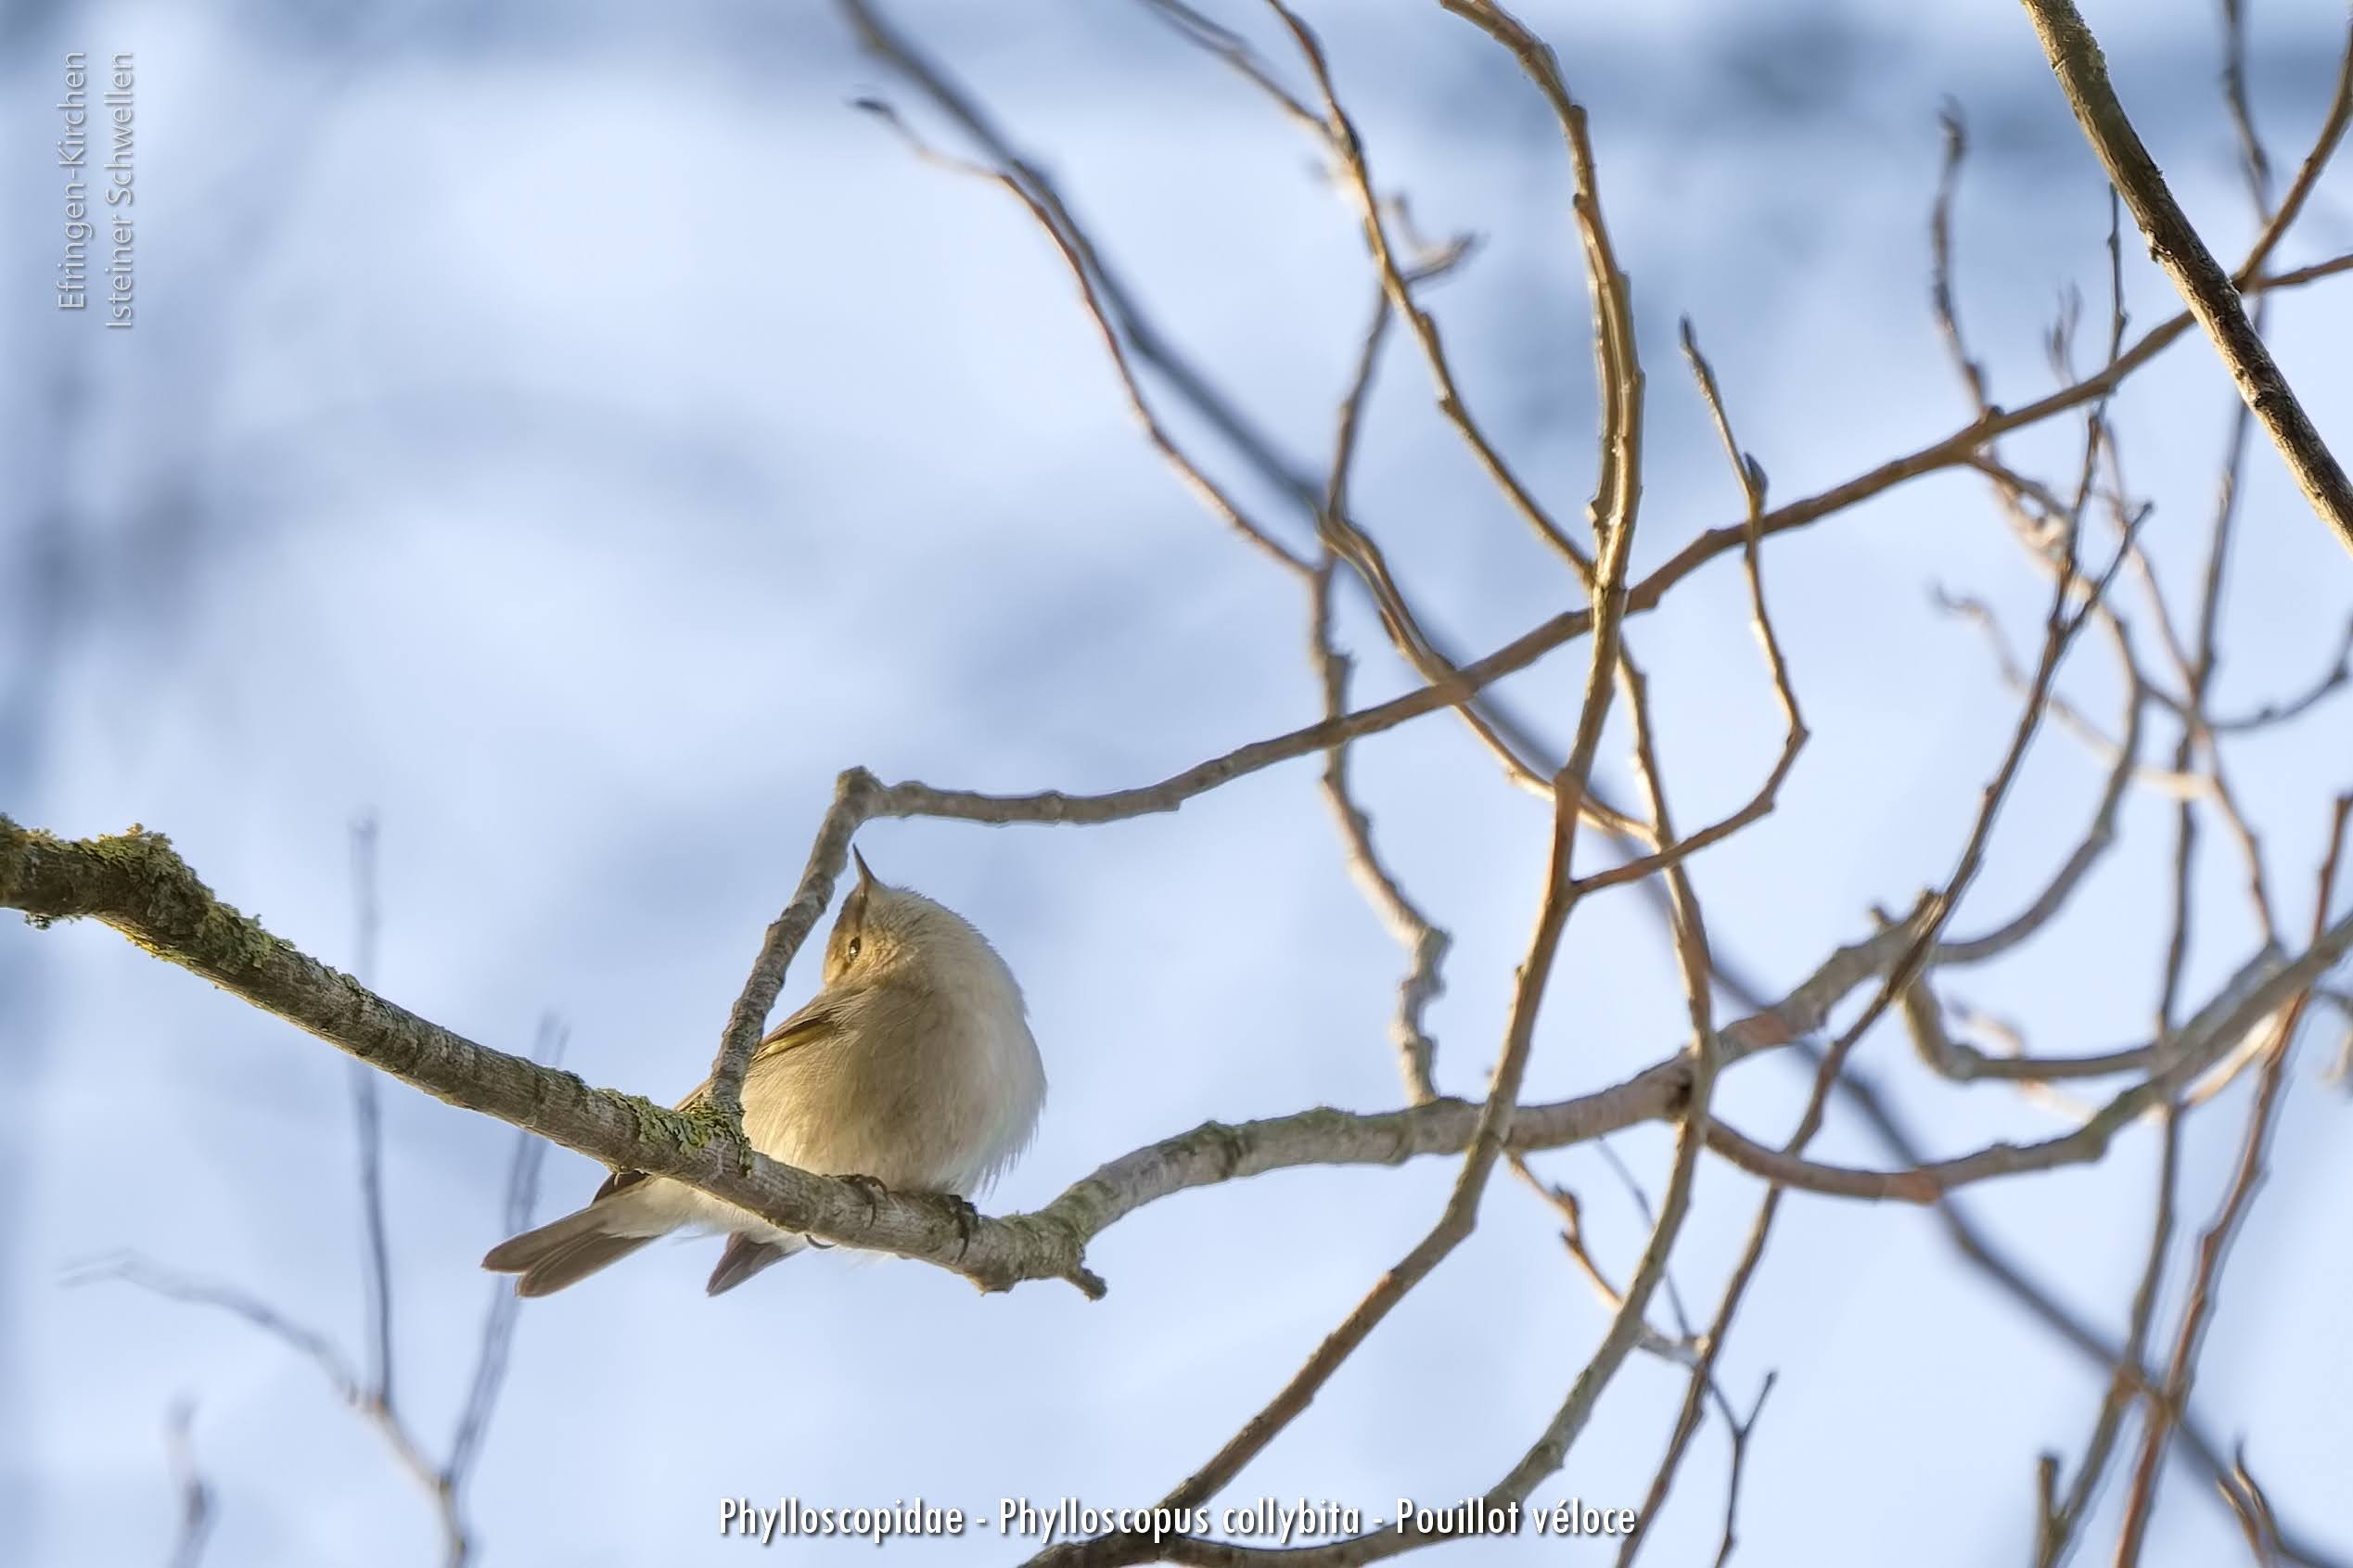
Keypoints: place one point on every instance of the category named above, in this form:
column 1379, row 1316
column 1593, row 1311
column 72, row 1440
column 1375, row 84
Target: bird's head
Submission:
column 888, row 933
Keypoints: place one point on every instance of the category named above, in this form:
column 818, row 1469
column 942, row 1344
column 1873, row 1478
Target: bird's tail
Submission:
column 565, row 1251
column 746, row 1255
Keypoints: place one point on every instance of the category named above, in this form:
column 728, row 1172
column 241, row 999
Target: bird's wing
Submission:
column 817, row 1018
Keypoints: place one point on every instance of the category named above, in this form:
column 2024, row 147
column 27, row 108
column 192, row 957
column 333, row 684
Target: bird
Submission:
column 913, row 1066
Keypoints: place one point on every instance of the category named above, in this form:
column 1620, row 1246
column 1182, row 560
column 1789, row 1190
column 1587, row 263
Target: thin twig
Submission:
column 342, row 1379
column 2059, row 1523
column 196, row 1494
column 1426, row 945
column 2214, row 1246
column 1751, row 475
column 499, row 1319
column 1348, row 147
column 367, row 1118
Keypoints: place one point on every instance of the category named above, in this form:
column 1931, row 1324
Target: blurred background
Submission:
column 570, row 434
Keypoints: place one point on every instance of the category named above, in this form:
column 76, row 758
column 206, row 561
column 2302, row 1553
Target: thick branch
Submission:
column 136, row 884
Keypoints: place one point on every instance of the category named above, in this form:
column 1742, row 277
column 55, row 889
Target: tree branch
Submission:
column 138, row 884
column 2175, row 246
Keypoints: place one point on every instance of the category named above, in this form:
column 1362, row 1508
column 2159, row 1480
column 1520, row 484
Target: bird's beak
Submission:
column 865, row 872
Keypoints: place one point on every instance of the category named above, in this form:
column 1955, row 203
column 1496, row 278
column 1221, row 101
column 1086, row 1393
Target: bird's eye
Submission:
column 850, row 953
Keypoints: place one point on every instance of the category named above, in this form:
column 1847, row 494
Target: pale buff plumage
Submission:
column 913, row 1065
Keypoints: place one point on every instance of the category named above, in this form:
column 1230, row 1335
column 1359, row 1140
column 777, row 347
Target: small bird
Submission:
column 913, row 1066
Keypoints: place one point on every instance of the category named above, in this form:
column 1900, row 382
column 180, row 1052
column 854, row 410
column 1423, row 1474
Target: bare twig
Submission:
column 1350, row 150
column 1924, row 1183
column 1426, row 945
column 1741, row 1432
column 498, row 1320
column 2214, row 1246
column 2208, row 291
column 369, row 1396
column 342, row 1379
column 2060, row 1523
column 196, row 1496
column 877, row 33
column 2249, row 1501
column 2307, row 174
column 1079, row 255
column 1976, row 1248
column 1235, row 51
column 1751, row 476
column 2289, row 709
column 2097, row 840
column 367, row 1119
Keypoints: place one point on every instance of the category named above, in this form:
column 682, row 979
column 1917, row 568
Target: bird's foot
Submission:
column 874, row 1191
column 967, row 1219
